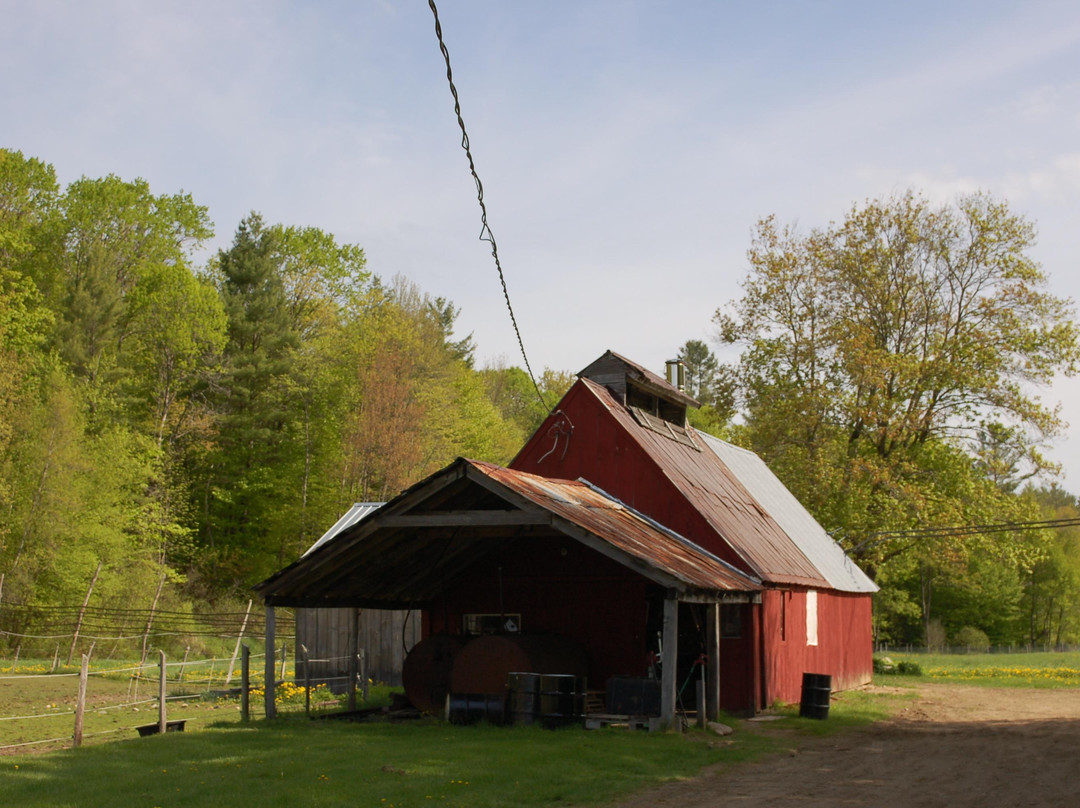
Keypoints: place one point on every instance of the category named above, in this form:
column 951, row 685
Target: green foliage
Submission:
column 888, row 368
column 207, row 423
column 972, row 638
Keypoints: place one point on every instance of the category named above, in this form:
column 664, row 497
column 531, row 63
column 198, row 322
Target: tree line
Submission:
column 176, row 427
column 889, row 373
column 188, row 427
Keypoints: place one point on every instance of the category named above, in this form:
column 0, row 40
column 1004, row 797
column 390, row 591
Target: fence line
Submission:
column 83, row 708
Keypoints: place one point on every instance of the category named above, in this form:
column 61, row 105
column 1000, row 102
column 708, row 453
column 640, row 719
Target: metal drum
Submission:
column 562, row 699
column 816, row 690
column 524, row 698
column 471, row 708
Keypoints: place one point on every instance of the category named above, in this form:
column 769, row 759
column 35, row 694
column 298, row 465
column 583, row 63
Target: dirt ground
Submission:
column 954, row 746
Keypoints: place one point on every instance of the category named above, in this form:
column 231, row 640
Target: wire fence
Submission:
column 48, row 709
column 65, row 632
column 886, row 648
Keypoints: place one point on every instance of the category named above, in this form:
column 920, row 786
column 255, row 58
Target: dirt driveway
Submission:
column 954, row 746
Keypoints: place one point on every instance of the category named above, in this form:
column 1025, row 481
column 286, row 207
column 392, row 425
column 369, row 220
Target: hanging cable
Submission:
column 963, row 530
column 485, row 229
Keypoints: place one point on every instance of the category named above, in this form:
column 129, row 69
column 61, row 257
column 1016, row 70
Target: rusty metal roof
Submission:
column 624, row 528
column 715, row 492
column 406, row 552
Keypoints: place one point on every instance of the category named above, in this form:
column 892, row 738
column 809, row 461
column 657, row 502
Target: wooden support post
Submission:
column 669, row 661
column 712, row 673
column 354, row 647
column 245, row 684
column 162, row 720
column 268, row 691
column 80, row 703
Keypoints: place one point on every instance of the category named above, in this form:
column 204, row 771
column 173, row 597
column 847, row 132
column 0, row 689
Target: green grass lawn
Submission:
column 1036, row 669
column 294, row 761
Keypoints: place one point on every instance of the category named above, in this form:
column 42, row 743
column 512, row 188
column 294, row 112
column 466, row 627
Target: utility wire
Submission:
column 965, row 530
column 485, row 229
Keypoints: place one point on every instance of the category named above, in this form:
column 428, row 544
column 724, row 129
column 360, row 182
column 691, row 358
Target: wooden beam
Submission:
column 466, row 518
column 712, row 671
column 669, row 660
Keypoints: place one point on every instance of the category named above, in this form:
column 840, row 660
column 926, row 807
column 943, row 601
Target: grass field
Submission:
column 219, row 761
column 1036, row 669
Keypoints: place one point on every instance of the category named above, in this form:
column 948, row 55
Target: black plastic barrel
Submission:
column 524, row 697
column 561, row 699
column 471, row 708
column 816, row 690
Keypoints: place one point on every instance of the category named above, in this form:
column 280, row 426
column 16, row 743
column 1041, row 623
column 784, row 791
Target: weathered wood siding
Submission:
column 325, row 633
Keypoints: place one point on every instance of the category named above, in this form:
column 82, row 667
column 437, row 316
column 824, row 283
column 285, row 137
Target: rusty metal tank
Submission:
column 426, row 671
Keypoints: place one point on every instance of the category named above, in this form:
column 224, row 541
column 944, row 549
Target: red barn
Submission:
column 624, row 429
column 633, row 538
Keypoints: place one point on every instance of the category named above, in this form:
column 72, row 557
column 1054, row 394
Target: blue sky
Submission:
column 626, row 148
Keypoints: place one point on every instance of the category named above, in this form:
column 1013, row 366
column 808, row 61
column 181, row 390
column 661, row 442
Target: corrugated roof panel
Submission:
column 624, row 528
column 357, row 512
column 711, row 489
column 819, row 547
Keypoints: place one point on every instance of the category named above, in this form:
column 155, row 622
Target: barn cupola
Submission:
column 655, row 403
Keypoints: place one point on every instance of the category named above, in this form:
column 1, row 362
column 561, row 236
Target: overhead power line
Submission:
column 965, row 530
column 485, row 228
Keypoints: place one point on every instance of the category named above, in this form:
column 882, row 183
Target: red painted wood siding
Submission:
column 844, row 649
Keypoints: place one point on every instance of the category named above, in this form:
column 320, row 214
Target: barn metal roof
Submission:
column 716, row 493
column 404, row 553
column 804, row 531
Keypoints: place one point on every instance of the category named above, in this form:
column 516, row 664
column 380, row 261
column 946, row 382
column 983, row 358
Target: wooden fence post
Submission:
column 239, row 639
column 180, row 675
column 270, row 706
column 80, row 704
column 82, row 613
column 245, row 684
column 162, row 722
column 150, row 621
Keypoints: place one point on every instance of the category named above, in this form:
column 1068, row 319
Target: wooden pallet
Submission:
column 600, row 720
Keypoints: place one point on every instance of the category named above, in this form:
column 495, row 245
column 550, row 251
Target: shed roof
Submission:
column 404, row 553
column 357, row 512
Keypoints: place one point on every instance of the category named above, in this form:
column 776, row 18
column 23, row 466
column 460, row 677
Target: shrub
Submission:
column 972, row 639
column 884, row 665
column 935, row 635
column 909, row 668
